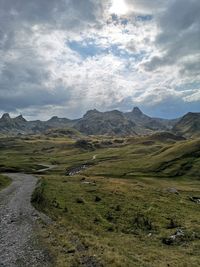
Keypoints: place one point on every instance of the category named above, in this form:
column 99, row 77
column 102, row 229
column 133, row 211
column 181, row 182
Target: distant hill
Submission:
column 113, row 122
column 188, row 125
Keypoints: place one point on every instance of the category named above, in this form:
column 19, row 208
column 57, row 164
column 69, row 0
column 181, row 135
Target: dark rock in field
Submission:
column 97, row 220
column 119, row 141
column 172, row 224
column 180, row 237
column 177, row 238
column 195, row 199
column 97, row 199
column 55, row 204
column 172, row 190
column 65, row 209
column 110, row 229
column 118, row 208
column 83, row 179
column 71, row 251
column 80, row 200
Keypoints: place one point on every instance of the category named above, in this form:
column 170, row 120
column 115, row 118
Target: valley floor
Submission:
column 114, row 202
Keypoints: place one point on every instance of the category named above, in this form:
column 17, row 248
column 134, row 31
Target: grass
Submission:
column 127, row 223
column 4, row 181
column 118, row 211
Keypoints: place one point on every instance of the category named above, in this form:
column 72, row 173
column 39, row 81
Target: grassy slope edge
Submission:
column 122, row 221
column 4, row 182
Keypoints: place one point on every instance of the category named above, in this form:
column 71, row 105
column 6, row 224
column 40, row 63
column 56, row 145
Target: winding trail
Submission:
column 19, row 244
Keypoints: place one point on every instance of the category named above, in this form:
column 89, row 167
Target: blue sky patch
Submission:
column 89, row 48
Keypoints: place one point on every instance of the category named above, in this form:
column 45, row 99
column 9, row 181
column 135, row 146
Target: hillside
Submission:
column 189, row 125
column 110, row 123
column 137, row 190
column 148, row 124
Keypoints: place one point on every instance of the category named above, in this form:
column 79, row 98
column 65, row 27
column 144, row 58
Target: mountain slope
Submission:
column 110, row 123
column 7, row 124
column 148, row 124
column 189, row 125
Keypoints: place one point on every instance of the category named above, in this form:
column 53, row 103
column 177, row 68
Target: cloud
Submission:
column 179, row 37
column 63, row 57
column 146, row 6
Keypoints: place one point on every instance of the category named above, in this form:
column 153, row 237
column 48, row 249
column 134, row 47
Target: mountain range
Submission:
column 112, row 122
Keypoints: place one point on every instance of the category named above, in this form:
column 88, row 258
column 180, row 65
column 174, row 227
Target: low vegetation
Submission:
column 4, row 181
column 114, row 201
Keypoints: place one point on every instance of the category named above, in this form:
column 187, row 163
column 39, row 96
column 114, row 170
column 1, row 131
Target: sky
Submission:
column 64, row 57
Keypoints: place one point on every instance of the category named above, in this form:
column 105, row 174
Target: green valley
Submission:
column 114, row 201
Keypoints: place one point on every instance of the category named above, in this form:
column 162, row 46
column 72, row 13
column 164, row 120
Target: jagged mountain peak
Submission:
column 20, row 118
column 54, row 118
column 91, row 112
column 5, row 116
column 137, row 111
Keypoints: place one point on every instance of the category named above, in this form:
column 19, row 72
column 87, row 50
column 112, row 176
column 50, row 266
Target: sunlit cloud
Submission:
column 119, row 7
column 67, row 57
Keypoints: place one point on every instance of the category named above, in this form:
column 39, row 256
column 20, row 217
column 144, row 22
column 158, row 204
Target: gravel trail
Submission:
column 19, row 245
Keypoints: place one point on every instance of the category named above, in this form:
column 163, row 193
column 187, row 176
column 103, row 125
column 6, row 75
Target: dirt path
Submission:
column 19, row 245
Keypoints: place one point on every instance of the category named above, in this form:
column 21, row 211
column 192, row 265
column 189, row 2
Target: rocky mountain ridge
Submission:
column 112, row 122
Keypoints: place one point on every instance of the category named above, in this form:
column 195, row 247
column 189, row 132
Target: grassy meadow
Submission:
column 114, row 201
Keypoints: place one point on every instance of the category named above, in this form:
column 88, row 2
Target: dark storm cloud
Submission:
column 55, row 12
column 21, row 86
column 179, row 38
column 23, row 71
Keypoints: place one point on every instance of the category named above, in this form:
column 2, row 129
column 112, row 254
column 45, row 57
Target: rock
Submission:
column 118, row 208
column 65, row 209
column 177, row 238
column 172, row 190
column 55, row 203
column 172, row 224
column 80, row 200
column 71, row 251
column 97, row 199
column 195, row 199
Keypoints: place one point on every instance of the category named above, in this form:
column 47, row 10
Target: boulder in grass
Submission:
column 177, row 238
column 80, row 200
column 97, row 199
column 195, row 199
column 172, row 190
